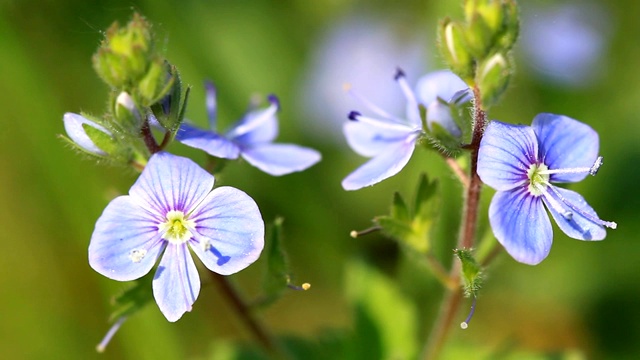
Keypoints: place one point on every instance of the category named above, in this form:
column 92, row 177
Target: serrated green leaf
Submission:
column 425, row 192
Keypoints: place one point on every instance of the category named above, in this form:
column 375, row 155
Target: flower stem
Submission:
column 453, row 296
column 148, row 138
column 261, row 334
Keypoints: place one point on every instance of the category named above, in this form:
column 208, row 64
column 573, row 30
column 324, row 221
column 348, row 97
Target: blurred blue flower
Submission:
column 251, row 137
column 73, row 125
column 170, row 210
column 521, row 162
column 390, row 140
column 566, row 43
column 358, row 49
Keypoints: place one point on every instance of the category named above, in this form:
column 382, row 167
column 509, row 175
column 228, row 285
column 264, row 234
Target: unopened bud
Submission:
column 126, row 112
column 492, row 78
column 454, row 48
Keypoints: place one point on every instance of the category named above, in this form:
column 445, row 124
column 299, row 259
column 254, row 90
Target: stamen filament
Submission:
column 465, row 323
column 374, row 108
column 553, row 202
column 211, row 104
column 408, row 94
column 102, row 346
column 356, row 116
column 609, row 224
column 593, row 170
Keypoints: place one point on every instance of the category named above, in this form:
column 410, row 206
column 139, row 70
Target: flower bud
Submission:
column 453, row 47
column 471, row 272
column 492, row 78
column 123, row 56
column 127, row 113
column 88, row 136
column 168, row 109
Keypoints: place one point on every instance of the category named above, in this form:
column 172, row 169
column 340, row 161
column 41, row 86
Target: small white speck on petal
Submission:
column 137, row 255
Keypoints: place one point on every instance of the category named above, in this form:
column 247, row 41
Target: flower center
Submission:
column 177, row 227
column 538, row 179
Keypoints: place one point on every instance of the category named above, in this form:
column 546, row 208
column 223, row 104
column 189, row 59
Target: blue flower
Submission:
column 169, row 211
column 390, row 140
column 251, row 137
column 73, row 125
column 521, row 162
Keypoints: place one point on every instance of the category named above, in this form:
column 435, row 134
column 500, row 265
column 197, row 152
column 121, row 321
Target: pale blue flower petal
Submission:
column 521, row 225
column 73, row 126
column 257, row 126
column 176, row 284
column 125, row 243
column 382, row 166
column 171, row 182
column 212, row 143
column 441, row 84
column 565, row 143
column 577, row 226
column 280, row 159
column 230, row 231
column 370, row 140
column 440, row 113
column 506, row 152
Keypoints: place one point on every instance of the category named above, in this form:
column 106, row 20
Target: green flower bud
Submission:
column 492, row 78
column 511, row 25
column 479, row 36
column 453, row 47
column 126, row 112
column 124, row 54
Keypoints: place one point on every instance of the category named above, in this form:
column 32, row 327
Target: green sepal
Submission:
column 134, row 298
column 492, row 78
column 511, row 25
column 454, row 48
column 472, row 276
column 277, row 278
column 479, row 36
column 101, row 139
column 155, row 84
column 412, row 230
column 168, row 110
column 442, row 140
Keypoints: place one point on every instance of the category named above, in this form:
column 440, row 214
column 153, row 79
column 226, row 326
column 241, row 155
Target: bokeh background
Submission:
column 578, row 58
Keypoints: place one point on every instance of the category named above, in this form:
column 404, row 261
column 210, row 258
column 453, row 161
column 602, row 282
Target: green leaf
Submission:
column 394, row 228
column 399, row 209
column 386, row 321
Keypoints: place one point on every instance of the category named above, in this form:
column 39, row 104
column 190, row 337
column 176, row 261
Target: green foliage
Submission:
column 412, row 228
column 133, row 299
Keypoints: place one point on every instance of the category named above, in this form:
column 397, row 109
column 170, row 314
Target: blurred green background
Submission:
column 582, row 301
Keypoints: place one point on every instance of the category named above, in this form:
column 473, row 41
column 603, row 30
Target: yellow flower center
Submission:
column 176, row 228
column 538, row 179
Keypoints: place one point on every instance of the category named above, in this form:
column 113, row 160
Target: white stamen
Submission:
column 553, row 202
column 380, row 123
column 137, row 255
column 593, row 170
column 206, row 245
column 594, row 219
column 367, row 103
column 112, row 331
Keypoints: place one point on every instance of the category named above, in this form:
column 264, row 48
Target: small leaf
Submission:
column 394, row 228
column 277, row 276
column 399, row 209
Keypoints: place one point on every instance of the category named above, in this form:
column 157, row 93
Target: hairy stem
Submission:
column 453, row 296
column 240, row 306
column 148, row 138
